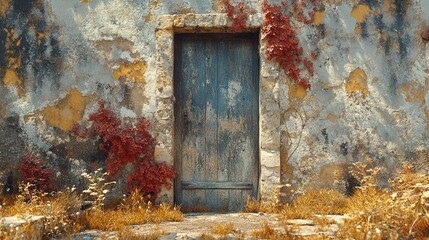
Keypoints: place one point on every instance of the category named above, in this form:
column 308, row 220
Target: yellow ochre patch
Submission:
column 296, row 91
column 357, row 82
column 11, row 78
column 4, row 6
column 388, row 5
column 131, row 72
column 413, row 92
column 360, row 12
column 67, row 112
column 318, row 17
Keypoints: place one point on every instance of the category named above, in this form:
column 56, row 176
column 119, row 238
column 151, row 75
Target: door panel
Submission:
column 216, row 120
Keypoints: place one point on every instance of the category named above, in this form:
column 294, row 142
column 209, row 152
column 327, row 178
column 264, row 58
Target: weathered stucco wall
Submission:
column 368, row 97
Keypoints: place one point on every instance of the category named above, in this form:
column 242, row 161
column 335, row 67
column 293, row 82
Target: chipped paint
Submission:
column 318, row 17
column 138, row 99
column 234, row 89
column 106, row 46
column 360, row 12
column 230, row 125
column 384, row 36
column 413, row 92
column 296, row 91
column 218, row 6
column 153, row 6
column 11, row 78
column 358, row 30
column 388, row 5
column 67, row 112
column 427, row 117
column 4, row 7
column 332, row 117
column 357, row 82
column 131, row 72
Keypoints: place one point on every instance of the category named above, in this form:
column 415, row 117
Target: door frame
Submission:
column 269, row 109
column 253, row 36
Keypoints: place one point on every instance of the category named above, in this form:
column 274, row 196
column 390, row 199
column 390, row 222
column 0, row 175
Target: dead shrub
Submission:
column 128, row 234
column 116, row 220
column 322, row 202
column 223, row 229
column 380, row 214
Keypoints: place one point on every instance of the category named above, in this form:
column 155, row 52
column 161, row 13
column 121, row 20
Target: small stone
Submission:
column 306, row 222
column 425, row 35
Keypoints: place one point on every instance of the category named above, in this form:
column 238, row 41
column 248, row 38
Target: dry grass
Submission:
column 61, row 209
column 129, row 234
column 195, row 209
column 379, row 214
column 255, row 206
column 322, row 202
column 252, row 206
column 401, row 212
column 133, row 210
column 271, row 205
column 116, row 220
column 315, row 202
column 206, row 236
column 223, row 229
column 24, row 232
column 323, row 223
column 267, row 232
column 63, row 216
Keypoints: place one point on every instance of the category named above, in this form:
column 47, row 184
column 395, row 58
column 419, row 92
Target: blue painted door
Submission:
column 216, row 120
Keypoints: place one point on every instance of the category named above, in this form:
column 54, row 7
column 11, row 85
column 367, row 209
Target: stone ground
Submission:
column 196, row 224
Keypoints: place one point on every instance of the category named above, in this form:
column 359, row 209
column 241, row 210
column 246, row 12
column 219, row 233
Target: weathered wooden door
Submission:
column 216, row 120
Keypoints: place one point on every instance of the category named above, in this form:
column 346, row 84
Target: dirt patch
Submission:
column 243, row 225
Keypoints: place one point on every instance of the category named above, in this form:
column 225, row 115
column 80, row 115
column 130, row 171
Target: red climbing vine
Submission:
column 279, row 31
column 283, row 43
column 238, row 15
column 129, row 144
column 35, row 173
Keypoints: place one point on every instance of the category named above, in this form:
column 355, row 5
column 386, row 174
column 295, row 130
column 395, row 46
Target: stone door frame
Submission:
column 269, row 108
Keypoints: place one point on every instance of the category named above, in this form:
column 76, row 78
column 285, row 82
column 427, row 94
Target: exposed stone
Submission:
column 15, row 221
column 425, row 35
column 360, row 12
column 67, row 112
column 131, row 72
column 318, row 17
column 357, row 82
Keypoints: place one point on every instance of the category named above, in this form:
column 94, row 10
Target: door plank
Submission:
column 194, row 115
column 217, row 185
column 212, row 158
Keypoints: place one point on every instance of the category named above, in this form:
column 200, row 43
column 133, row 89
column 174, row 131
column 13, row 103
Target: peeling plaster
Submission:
column 318, row 17
column 360, row 12
column 357, row 82
column 131, row 72
column 67, row 112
